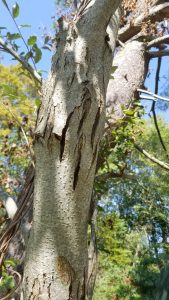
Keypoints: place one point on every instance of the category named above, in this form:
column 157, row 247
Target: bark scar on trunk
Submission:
column 65, row 270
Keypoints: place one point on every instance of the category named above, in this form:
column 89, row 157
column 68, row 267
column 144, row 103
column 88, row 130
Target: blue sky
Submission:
column 36, row 13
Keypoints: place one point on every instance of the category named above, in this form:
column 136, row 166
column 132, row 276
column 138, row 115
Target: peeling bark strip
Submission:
column 95, row 125
column 69, row 127
column 62, row 141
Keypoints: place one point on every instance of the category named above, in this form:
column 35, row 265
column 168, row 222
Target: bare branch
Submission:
column 155, row 14
column 160, row 53
column 23, row 62
column 152, row 158
column 154, row 96
column 154, row 104
column 163, row 39
column 109, row 175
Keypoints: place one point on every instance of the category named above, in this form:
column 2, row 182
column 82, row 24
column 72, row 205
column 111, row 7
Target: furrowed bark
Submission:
column 69, row 127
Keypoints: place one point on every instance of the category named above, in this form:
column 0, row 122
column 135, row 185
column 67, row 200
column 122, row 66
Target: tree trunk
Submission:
column 69, row 127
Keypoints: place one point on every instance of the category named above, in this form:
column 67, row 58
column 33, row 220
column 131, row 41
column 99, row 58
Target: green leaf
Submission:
column 113, row 69
column 32, row 40
column 13, row 36
column 28, row 55
column 38, row 102
column 25, row 26
column 1, row 27
column 10, row 262
column 15, row 10
column 38, row 54
column 128, row 112
column 47, row 39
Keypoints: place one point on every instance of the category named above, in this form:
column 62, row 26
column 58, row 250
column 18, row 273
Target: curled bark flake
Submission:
column 70, row 292
column 94, row 158
column 76, row 173
column 95, row 124
column 82, row 288
column 70, row 81
column 77, row 168
column 86, row 109
column 63, row 137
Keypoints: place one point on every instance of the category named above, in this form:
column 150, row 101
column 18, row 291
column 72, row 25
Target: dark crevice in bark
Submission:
column 70, row 82
column 86, row 108
column 63, row 137
column 44, row 279
column 83, row 289
column 70, row 291
column 76, row 173
column 78, row 161
column 49, row 292
column 35, row 291
column 96, row 122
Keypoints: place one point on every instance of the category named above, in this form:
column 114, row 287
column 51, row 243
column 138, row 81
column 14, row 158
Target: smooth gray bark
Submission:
column 69, row 127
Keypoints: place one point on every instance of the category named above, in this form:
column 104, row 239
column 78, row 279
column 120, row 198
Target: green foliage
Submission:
column 32, row 52
column 18, row 107
column 111, row 238
column 133, row 215
column 15, row 10
column 7, row 282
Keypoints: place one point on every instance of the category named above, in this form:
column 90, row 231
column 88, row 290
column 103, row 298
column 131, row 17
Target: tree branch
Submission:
column 154, row 104
column 152, row 158
column 24, row 63
column 154, row 96
column 99, row 14
column 155, row 14
column 163, row 39
column 153, row 54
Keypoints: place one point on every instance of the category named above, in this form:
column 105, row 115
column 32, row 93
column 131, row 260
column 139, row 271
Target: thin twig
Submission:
column 23, row 62
column 6, row 5
column 121, row 43
column 163, row 39
column 154, row 96
column 160, row 53
column 154, row 104
column 152, row 158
